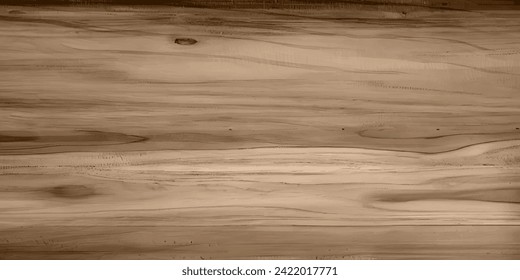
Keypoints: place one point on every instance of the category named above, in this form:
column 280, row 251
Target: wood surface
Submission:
column 279, row 134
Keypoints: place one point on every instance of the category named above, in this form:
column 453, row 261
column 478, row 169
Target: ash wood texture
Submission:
column 325, row 134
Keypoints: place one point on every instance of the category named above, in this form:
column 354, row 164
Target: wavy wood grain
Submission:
column 339, row 134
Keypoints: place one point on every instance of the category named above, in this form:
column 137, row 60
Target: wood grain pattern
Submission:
column 325, row 134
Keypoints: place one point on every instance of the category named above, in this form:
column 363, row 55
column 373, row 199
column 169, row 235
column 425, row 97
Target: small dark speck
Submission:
column 438, row 129
column 230, row 129
column 517, row 128
column 342, row 128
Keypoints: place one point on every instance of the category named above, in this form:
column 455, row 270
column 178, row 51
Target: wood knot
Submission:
column 71, row 191
column 185, row 41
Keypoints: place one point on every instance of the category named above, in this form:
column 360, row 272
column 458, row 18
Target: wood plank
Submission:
column 279, row 134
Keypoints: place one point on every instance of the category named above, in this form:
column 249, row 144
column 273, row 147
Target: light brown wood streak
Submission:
column 336, row 134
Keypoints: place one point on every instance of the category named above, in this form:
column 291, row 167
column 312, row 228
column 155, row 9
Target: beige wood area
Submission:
column 279, row 134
